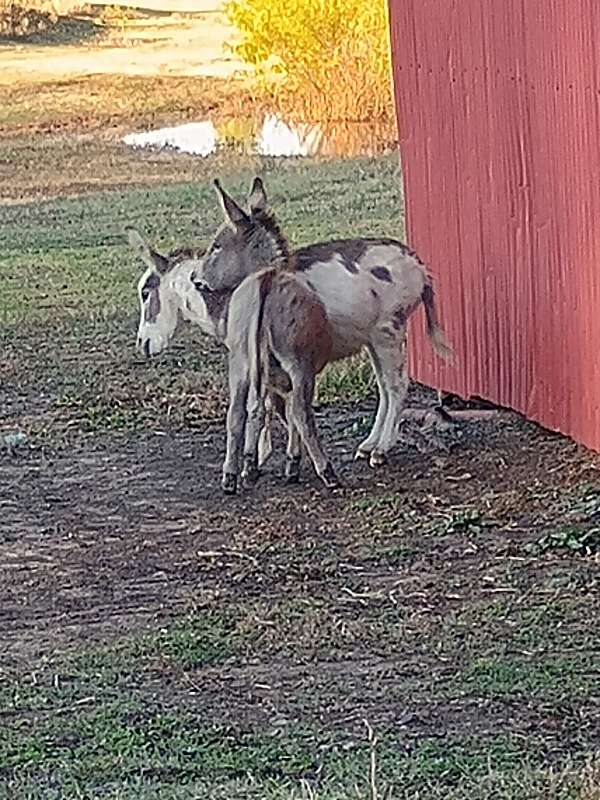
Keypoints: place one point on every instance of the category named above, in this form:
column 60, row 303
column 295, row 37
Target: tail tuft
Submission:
column 436, row 335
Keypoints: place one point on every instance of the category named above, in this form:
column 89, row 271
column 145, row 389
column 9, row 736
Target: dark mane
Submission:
column 267, row 220
column 183, row 253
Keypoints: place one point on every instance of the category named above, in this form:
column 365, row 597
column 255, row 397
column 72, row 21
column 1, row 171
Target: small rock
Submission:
column 14, row 440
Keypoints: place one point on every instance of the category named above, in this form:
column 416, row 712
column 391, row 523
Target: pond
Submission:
column 273, row 136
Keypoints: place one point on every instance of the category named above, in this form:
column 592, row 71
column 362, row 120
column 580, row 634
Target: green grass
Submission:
column 146, row 714
column 121, row 747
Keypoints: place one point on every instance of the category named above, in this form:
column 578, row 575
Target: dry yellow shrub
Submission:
column 318, row 60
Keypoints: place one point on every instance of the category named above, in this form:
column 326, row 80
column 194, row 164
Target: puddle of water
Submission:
column 277, row 138
column 274, row 137
column 197, row 138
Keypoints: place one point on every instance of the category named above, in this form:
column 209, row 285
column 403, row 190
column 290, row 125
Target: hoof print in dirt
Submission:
column 229, row 484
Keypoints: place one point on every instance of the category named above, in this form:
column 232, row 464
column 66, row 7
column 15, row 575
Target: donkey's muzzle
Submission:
column 200, row 286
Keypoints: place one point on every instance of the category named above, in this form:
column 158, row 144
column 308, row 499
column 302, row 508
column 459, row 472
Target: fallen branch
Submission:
column 435, row 415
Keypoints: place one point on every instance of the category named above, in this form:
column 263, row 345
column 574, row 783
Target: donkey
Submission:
column 278, row 340
column 369, row 287
column 167, row 294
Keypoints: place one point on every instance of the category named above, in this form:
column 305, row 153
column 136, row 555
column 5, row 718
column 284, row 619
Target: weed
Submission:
column 389, row 502
column 570, row 539
column 348, row 380
column 468, row 521
column 326, row 61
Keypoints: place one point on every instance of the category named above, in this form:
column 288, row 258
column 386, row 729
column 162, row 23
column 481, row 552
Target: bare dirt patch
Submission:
column 109, row 531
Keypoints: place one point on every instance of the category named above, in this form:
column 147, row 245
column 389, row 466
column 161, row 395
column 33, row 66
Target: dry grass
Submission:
column 113, row 104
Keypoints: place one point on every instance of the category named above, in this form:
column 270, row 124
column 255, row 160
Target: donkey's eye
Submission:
column 145, row 294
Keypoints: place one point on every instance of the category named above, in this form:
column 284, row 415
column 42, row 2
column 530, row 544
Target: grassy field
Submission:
column 427, row 631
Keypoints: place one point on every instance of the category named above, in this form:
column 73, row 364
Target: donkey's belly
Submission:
column 346, row 339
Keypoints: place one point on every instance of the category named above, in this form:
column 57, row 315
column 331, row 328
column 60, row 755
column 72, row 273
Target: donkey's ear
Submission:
column 257, row 199
column 149, row 256
column 236, row 216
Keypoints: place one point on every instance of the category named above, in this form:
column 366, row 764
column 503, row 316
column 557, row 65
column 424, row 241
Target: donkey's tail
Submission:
column 259, row 366
column 436, row 335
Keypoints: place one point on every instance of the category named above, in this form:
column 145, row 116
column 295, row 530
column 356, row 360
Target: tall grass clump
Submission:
column 318, row 60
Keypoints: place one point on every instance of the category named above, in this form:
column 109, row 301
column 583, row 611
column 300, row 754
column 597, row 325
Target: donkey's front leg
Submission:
column 292, row 460
column 236, row 424
column 265, row 443
column 274, row 406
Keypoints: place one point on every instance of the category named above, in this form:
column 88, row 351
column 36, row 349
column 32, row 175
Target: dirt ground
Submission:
column 153, row 43
column 110, row 532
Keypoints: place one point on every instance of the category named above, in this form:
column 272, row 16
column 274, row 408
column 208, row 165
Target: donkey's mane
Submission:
column 185, row 253
column 267, row 220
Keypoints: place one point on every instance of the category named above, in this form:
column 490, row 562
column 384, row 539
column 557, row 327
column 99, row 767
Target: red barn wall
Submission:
column 499, row 124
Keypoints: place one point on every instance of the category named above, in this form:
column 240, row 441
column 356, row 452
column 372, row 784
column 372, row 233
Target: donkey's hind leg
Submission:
column 302, row 416
column 392, row 356
column 370, row 443
column 236, row 424
column 254, row 425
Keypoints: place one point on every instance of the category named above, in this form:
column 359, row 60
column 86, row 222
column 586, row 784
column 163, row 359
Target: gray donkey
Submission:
column 278, row 340
column 368, row 287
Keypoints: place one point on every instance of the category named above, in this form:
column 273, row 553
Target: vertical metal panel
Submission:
column 498, row 113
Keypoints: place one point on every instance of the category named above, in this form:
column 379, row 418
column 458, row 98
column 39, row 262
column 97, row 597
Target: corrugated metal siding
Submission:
column 498, row 113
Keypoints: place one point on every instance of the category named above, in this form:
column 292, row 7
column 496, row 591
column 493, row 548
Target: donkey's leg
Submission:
column 236, row 423
column 292, row 462
column 365, row 448
column 274, row 406
column 302, row 416
column 265, row 445
column 392, row 355
column 254, row 424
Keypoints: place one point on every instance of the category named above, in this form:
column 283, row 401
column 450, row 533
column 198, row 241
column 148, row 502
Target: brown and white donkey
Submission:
column 369, row 287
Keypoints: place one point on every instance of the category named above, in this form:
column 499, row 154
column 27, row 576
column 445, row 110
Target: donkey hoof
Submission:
column 377, row 459
column 250, row 477
column 229, row 483
column 329, row 478
column 361, row 455
column 292, row 470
